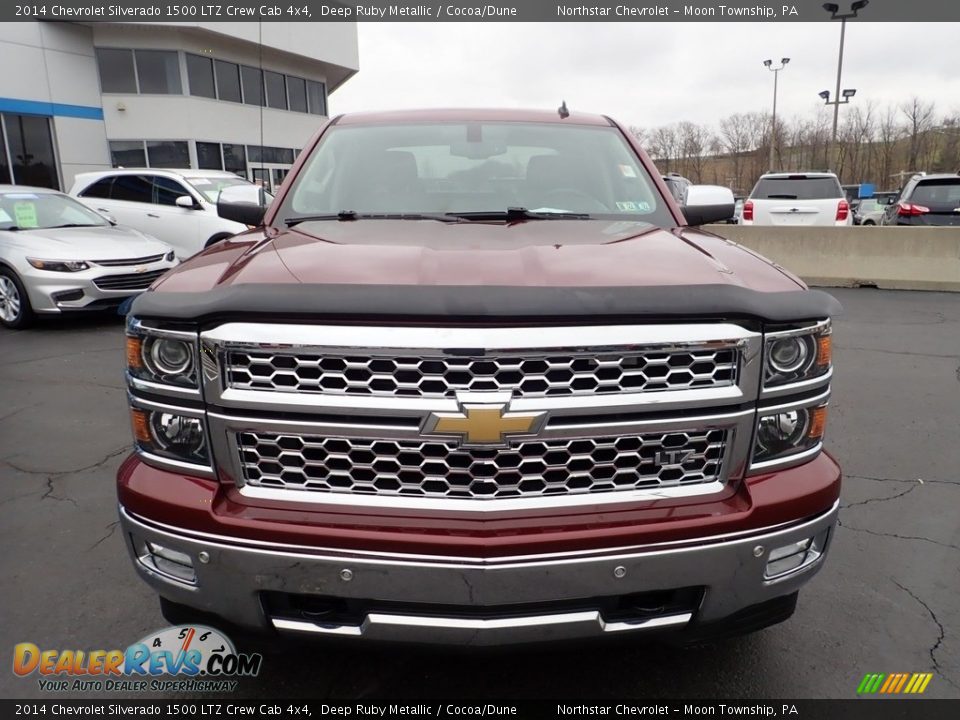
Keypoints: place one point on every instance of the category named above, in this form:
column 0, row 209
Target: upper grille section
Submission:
column 530, row 374
column 440, row 469
column 134, row 281
column 146, row 260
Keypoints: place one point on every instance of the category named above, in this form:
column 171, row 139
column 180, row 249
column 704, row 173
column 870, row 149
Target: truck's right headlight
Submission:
column 170, row 435
column 167, row 357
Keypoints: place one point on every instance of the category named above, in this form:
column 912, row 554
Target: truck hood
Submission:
column 543, row 253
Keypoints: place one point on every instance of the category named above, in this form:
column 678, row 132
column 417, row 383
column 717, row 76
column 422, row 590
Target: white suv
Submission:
column 178, row 207
column 805, row 199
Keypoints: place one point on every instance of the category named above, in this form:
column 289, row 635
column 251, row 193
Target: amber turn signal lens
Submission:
column 824, row 350
column 134, row 352
column 818, row 422
column 141, row 425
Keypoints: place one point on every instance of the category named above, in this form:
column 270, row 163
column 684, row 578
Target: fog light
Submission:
column 787, row 559
column 170, row 562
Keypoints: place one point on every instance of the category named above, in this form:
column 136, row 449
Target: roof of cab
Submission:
column 470, row 115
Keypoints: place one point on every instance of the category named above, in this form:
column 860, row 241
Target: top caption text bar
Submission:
column 192, row 11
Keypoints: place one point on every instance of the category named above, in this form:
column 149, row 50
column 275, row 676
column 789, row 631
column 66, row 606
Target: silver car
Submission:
column 56, row 256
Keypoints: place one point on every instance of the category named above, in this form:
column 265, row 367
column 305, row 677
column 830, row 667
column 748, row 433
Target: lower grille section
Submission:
column 134, row 281
column 438, row 469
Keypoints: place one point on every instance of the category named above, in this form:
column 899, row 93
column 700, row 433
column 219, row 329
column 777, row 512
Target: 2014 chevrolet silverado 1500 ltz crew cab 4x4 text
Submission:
column 475, row 379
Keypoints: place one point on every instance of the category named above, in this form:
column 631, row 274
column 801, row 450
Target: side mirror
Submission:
column 243, row 204
column 891, row 199
column 185, row 201
column 708, row 204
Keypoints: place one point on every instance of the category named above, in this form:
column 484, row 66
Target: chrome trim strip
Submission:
column 783, row 407
column 389, row 340
column 797, row 387
column 177, row 465
column 186, row 393
column 144, row 404
column 590, row 619
column 815, row 328
column 787, row 461
column 139, row 327
column 476, row 505
column 466, row 561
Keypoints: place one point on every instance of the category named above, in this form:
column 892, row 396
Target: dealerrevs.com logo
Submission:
column 203, row 657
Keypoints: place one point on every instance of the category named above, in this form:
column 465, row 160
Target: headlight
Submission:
column 782, row 434
column 170, row 435
column 162, row 356
column 58, row 265
column 795, row 355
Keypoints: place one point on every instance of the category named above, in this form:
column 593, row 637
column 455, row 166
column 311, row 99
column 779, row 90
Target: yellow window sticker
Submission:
column 25, row 214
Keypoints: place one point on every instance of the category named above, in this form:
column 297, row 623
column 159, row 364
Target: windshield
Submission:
column 38, row 211
column 797, row 188
column 210, row 187
column 463, row 168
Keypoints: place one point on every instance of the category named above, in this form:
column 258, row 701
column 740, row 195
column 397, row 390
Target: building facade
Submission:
column 238, row 96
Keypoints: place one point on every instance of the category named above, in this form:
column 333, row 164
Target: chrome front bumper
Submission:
column 231, row 574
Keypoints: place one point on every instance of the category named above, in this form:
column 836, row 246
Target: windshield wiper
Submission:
column 520, row 213
column 70, row 225
column 781, row 197
column 348, row 215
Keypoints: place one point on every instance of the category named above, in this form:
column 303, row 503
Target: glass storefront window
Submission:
column 30, row 147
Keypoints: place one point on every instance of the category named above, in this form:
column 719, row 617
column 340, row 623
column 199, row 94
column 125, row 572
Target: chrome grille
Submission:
column 438, row 469
column 131, row 261
column 134, row 281
column 525, row 375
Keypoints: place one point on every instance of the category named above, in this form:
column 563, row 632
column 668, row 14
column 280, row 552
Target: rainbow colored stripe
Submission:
column 894, row 683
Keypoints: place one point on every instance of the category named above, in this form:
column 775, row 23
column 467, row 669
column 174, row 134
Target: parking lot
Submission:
column 886, row 601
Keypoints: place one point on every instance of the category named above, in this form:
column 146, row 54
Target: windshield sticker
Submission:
column 630, row 206
column 627, row 171
column 26, row 214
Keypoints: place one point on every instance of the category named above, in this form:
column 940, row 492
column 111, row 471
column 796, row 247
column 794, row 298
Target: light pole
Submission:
column 773, row 123
column 835, row 14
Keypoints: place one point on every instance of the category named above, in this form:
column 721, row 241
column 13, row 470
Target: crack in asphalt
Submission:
column 49, row 494
column 910, row 353
column 909, row 490
column 924, row 481
column 112, row 528
column 942, row 632
column 15, row 412
column 897, row 537
column 73, row 471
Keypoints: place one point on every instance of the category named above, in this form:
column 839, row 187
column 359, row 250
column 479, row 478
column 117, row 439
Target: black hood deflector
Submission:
column 428, row 304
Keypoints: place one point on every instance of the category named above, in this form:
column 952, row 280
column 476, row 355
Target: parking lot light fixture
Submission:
column 835, row 14
column 773, row 122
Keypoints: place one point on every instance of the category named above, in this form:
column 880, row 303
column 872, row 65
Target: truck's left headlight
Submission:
column 796, row 354
column 785, row 434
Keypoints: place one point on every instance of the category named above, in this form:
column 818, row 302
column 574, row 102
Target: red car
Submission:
column 475, row 378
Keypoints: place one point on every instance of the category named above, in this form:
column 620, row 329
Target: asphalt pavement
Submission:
column 887, row 600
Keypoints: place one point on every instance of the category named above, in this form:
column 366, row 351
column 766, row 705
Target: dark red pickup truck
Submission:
column 475, row 379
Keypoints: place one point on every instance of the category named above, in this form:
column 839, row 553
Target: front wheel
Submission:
column 15, row 309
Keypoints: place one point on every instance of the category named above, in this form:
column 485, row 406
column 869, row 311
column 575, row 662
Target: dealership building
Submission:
column 238, row 96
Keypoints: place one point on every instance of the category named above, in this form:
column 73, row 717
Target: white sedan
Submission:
column 57, row 256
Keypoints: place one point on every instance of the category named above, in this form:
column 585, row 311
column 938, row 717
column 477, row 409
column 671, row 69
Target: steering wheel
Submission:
column 574, row 200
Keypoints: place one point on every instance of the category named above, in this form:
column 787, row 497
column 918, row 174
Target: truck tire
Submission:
column 15, row 309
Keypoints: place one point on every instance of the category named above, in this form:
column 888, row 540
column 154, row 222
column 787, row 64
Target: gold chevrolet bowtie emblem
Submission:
column 483, row 423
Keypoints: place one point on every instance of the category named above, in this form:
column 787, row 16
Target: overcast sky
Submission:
column 648, row 74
